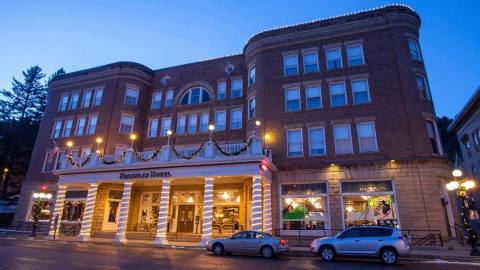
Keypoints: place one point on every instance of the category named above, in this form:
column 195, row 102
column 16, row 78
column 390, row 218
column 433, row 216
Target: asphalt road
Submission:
column 39, row 254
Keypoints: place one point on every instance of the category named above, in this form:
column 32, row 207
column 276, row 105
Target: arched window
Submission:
column 195, row 95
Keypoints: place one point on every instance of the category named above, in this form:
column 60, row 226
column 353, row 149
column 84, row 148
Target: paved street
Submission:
column 39, row 254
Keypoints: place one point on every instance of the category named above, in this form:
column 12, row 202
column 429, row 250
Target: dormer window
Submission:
column 195, row 95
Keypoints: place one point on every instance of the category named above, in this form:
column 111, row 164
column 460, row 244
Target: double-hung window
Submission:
column 310, row 62
column 313, row 95
column 63, row 103
column 222, row 90
column 236, row 90
column 166, row 126
column 432, row 135
column 156, row 100
column 355, row 55
column 204, row 122
column 316, row 141
column 169, row 99
column 338, row 96
column 343, row 139
column 87, row 98
column 423, row 87
column 252, row 76
column 476, row 139
column 414, row 50
column 290, row 65
column 220, row 120
column 126, row 123
column 181, row 123
column 192, row 124
column 152, row 128
column 74, row 101
column 367, row 139
column 236, row 118
column 80, row 125
column 360, row 92
column 131, row 96
column 294, row 143
column 92, row 124
column 67, row 129
column 251, row 108
column 292, row 98
column 334, row 58
column 98, row 96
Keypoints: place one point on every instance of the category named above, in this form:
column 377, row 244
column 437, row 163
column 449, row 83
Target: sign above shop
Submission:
column 151, row 174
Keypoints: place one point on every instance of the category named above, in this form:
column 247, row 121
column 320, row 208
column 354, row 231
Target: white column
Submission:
column 88, row 213
column 256, row 220
column 58, row 210
column 161, row 238
column 123, row 218
column 267, row 207
column 207, row 211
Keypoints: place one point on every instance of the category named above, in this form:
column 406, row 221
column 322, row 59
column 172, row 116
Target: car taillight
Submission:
column 283, row 242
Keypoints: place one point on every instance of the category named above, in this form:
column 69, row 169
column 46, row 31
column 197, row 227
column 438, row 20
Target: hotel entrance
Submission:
column 185, row 211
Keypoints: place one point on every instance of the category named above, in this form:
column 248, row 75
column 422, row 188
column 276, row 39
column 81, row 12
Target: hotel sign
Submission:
column 151, row 174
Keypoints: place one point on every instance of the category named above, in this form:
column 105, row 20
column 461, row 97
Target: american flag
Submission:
column 53, row 152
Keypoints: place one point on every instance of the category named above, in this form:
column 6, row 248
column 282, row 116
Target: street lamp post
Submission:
column 133, row 137
column 4, row 184
column 461, row 185
column 99, row 140
column 211, row 128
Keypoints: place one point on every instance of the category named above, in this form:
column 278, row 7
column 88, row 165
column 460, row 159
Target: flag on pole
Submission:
column 54, row 151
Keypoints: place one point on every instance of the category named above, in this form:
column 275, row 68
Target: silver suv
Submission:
column 372, row 241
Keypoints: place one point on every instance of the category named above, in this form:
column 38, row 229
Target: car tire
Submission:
column 389, row 256
column 218, row 249
column 327, row 253
column 267, row 252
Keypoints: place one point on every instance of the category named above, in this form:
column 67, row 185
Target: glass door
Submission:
column 112, row 210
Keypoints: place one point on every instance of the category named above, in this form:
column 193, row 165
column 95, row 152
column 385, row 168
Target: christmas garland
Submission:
column 243, row 149
column 122, row 157
column 81, row 164
column 140, row 157
column 199, row 149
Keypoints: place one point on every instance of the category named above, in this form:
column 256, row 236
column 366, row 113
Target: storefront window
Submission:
column 149, row 208
column 226, row 197
column 44, row 208
column 74, row 205
column 226, row 210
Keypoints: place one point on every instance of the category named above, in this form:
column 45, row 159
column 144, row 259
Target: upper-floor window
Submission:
column 292, row 98
column 152, row 128
column 126, row 123
column 465, row 141
column 156, row 100
column 313, row 95
column 80, row 125
column 251, row 108
column 476, row 139
column 360, row 92
column 220, row 120
column 57, row 128
column 204, row 122
column 236, row 90
column 294, row 143
column 367, row 139
column 67, row 129
column 87, row 98
column 63, row 103
column 74, row 101
column 169, row 99
column 334, row 58
column 195, row 95
column 316, row 141
column 338, row 96
column 92, row 124
column 98, row 96
column 310, row 62
column 181, row 123
column 222, row 90
column 86, row 150
column 343, row 139
column 423, row 87
column 290, row 64
column 166, row 126
column 433, row 136
column 192, row 124
column 131, row 96
column 252, row 78
column 414, row 50
column 236, row 118
column 355, row 55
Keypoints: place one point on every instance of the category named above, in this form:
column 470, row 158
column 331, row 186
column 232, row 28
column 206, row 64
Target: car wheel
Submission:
column 389, row 256
column 217, row 249
column 327, row 253
column 267, row 252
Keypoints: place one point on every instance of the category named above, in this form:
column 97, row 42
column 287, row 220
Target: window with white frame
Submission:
column 433, row 136
column 131, row 96
column 338, row 96
column 355, row 55
column 192, row 124
column 181, row 123
column 422, row 85
column 63, row 103
column 126, row 123
column 169, row 99
column 74, row 101
column 152, row 128
column 414, row 50
column 236, row 118
column 156, row 100
column 195, row 95
column 292, row 100
column 294, row 143
column 86, row 151
column 220, row 120
column 334, row 58
column 92, row 124
column 166, row 126
column 310, row 62
column 465, row 141
column 237, row 88
column 61, row 161
column 476, row 139
column 290, row 64
column 222, row 90
column 204, row 122
column 49, row 164
column 360, row 92
column 80, row 125
column 343, row 139
column 367, row 138
column 313, row 94
column 57, row 129
column 252, row 78
column 251, row 108
column 87, row 98
column 67, row 129
column 316, row 141
column 98, row 96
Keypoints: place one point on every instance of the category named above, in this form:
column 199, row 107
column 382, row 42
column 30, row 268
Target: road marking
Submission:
column 440, row 261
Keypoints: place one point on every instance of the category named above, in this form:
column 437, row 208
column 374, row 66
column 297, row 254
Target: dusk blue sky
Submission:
column 83, row 34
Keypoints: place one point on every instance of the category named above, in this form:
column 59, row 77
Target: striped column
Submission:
column 88, row 213
column 256, row 220
column 207, row 211
column 161, row 237
column 123, row 218
column 58, row 210
column 267, row 207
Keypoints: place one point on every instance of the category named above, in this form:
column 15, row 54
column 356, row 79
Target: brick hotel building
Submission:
column 312, row 128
